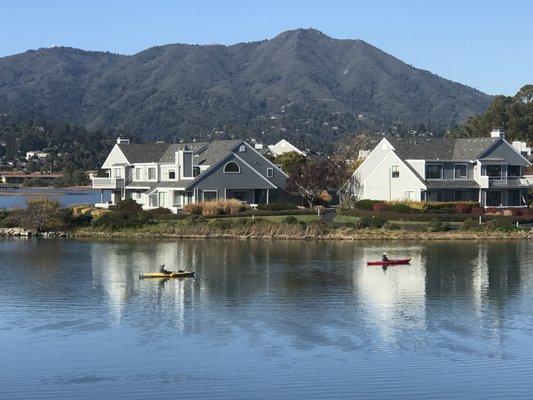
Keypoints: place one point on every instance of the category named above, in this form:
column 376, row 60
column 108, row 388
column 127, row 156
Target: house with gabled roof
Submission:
column 174, row 175
column 488, row 170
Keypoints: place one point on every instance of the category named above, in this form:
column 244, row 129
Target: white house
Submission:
column 41, row 155
column 283, row 146
column 174, row 175
column 488, row 170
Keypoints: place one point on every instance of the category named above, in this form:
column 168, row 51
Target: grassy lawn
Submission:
column 280, row 218
column 345, row 219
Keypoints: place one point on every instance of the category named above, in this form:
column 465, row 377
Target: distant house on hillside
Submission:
column 274, row 150
column 41, row 155
column 174, row 175
column 488, row 170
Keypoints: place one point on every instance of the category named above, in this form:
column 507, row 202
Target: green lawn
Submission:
column 345, row 219
column 280, row 218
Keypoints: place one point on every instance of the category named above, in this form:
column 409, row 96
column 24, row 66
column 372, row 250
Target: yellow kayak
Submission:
column 179, row 274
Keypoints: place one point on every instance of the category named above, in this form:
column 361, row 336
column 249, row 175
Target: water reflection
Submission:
column 265, row 307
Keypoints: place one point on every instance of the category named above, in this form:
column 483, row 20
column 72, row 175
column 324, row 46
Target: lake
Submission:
column 18, row 197
column 265, row 320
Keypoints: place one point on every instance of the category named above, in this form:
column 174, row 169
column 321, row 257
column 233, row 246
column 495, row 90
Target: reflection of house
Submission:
column 488, row 170
column 21, row 178
column 173, row 175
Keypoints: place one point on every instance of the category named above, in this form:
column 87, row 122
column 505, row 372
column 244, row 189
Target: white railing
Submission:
column 107, row 183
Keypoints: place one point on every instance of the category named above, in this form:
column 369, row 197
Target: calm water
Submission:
column 67, row 197
column 265, row 320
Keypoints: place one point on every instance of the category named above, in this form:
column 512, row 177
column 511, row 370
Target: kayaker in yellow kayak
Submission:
column 163, row 270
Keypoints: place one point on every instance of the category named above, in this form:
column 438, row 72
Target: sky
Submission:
column 485, row 44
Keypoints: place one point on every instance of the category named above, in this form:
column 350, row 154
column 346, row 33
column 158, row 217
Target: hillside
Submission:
column 300, row 83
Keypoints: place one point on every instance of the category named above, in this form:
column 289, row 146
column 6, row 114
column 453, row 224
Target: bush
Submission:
column 400, row 208
column 12, row 219
column 469, row 225
column 220, row 223
column 391, row 226
column 371, row 221
column 323, row 199
column 120, row 220
column 437, row 225
column 215, row 208
column 129, row 206
column 159, row 211
column 195, row 219
column 500, row 224
column 477, row 211
column 366, row 204
column 379, row 207
column 42, row 215
column 463, row 208
column 290, row 220
column 276, row 206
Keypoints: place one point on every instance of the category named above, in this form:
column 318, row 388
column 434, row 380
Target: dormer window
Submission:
column 172, row 174
column 232, row 168
column 270, row 172
column 242, row 148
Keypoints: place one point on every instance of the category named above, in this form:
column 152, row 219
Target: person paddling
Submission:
column 163, row 270
column 384, row 257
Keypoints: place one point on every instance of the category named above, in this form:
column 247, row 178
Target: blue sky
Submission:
column 485, row 44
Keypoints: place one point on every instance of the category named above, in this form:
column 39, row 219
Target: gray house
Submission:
column 174, row 175
column 488, row 170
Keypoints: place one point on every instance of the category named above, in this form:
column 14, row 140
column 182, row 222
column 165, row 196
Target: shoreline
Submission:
column 359, row 235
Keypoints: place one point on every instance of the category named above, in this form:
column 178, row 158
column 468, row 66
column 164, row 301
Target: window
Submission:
column 161, row 199
column 135, row 196
column 176, row 199
column 118, row 172
column 408, row 195
column 270, row 172
column 434, row 171
column 395, row 171
column 514, row 170
column 171, row 174
column 493, row 171
column 434, row 195
column 494, row 198
column 210, row 195
column 151, row 174
column 240, row 195
column 460, row 195
column 460, row 171
column 195, row 171
column 152, row 201
column 232, row 168
column 242, row 148
column 137, row 174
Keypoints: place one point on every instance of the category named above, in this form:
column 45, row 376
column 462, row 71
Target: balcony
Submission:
column 107, row 183
column 506, row 182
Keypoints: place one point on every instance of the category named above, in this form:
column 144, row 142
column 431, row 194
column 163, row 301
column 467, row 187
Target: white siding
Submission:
column 115, row 157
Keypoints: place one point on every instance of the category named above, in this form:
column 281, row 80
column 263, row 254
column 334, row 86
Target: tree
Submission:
column 289, row 161
column 348, row 150
column 42, row 215
column 310, row 179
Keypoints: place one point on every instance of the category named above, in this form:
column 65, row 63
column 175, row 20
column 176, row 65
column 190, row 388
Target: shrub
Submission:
column 194, row 219
column 12, row 219
column 469, row 225
column 500, row 224
column 276, row 206
column 366, row 204
column 463, row 208
column 322, row 199
column 371, row 221
column 379, row 207
column 42, row 215
column 290, row 220
column 437, row 225
column 120, row 220
column 129, row 206
column 391, row 226
column 400, row 208
column 219, row 223
column 159, row 211
column 193, row 209
column 477, row 211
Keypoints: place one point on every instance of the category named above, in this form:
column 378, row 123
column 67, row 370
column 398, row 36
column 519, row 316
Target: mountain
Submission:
column 301, row 84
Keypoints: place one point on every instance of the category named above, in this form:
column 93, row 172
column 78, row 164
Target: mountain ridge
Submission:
column 301, row 83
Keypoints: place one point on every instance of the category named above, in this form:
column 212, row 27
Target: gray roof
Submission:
column 143, row 152
column 216, row 150
column 440, row 148
column 451, row 184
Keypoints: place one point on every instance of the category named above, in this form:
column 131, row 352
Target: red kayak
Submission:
column 390, row 262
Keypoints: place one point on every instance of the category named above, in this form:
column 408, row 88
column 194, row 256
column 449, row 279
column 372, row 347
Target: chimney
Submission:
column 184, row 162
column 258, row 146
column 121, row 140
column 497, row 133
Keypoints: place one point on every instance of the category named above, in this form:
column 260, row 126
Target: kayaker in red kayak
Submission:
column 384, row 257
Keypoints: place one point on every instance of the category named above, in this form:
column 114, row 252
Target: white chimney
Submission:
column 497, row 133
column 121, row 140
